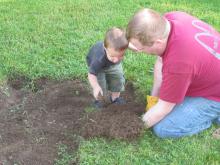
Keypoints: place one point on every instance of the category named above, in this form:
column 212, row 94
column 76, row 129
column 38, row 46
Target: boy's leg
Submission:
column 192, row 116
column 115, row 80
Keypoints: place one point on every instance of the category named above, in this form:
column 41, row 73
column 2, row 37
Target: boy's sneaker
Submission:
column 118, row 100
column 97, row 104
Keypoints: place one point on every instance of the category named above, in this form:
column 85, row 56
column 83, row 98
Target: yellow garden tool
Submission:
column 151, row 101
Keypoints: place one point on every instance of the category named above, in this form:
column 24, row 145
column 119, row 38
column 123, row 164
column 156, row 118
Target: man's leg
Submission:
column 192, row 116
column 217, row 121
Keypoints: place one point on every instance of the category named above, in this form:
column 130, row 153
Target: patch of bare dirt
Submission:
column 33, row 124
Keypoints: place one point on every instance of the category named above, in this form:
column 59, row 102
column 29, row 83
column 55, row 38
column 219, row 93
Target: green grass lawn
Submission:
column 51, row 38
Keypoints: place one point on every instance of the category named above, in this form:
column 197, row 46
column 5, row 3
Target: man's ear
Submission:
column 159, row 41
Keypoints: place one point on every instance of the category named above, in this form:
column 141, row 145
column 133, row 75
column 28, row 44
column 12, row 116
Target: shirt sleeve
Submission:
column 95, row 67
column 175, row 82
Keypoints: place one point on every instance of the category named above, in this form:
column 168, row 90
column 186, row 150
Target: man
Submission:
column 186, row 73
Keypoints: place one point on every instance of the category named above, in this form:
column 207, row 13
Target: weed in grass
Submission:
column 90, row 109
column 64, row 157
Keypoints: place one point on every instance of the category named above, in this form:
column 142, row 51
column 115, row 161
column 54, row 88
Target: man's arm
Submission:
column 157, row 72
column 157, row 77
column 157, row 113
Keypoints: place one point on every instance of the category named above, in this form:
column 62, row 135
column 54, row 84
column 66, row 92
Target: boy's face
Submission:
column 115, row 55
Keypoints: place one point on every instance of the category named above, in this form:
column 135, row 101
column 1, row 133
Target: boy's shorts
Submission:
column 112, row 79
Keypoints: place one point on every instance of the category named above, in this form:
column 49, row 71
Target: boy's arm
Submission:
column 157, row 113
column 95, row 85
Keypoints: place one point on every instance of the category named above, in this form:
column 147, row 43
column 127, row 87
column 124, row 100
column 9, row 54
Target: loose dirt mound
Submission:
column 32, row 125
column 113, row 122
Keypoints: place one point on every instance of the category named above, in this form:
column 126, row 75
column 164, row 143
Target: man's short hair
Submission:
column 147, row 25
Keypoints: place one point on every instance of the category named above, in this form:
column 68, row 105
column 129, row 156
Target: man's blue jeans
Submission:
column 192, row 116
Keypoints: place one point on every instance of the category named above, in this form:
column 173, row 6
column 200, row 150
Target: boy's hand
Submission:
column 151, row 101
column 96, row 91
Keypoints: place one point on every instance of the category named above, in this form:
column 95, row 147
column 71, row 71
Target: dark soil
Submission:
column 34, row 122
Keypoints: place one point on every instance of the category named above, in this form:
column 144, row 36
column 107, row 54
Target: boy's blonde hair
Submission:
column 115, row 38
column 147, row 25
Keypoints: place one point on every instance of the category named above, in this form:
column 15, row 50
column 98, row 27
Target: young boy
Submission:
column 105, row 69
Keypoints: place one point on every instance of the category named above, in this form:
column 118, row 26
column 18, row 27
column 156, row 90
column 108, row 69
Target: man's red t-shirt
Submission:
column 191, row 61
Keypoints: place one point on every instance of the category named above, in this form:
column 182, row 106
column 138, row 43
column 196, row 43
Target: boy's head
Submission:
column 115, row 43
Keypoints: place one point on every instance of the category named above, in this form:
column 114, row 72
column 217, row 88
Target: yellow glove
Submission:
column 151, row 101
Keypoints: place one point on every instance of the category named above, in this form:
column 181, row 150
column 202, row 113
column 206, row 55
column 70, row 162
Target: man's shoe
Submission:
column 118, row 100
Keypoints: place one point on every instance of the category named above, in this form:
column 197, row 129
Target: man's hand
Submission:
column 97, row 91
column 157, row 112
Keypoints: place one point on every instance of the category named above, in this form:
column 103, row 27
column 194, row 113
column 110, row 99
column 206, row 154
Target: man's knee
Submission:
column 163, row 130
column 158, row 130
column 217, row 121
